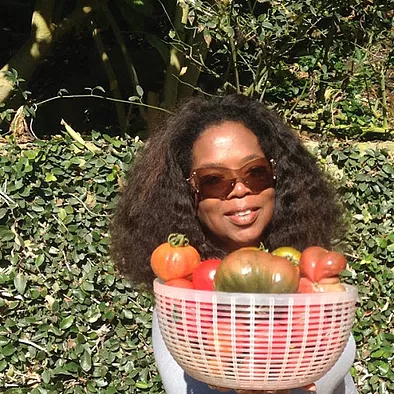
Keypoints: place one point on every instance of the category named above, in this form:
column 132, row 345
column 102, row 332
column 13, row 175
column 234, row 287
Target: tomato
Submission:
column 221, row 342
column 249, row 270
column 204, row 274
column 270, row 339
column 317, row 263
column 314, row 328
column 324, row 286
column 271, row 343
column 180, row 282
column 290, row 253
column 175, row 258
column 192, row 318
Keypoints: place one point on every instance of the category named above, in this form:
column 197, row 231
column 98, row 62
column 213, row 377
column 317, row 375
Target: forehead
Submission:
column 228, row 144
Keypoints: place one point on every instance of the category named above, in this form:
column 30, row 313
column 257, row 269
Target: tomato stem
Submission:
column 177, row 240
column 262, row 247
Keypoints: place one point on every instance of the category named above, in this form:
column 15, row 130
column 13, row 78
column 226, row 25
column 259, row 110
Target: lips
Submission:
column 243, row 217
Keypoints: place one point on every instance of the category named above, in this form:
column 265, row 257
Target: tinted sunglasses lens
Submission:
column 259, row 177
column 219, row 182
column 214, row 186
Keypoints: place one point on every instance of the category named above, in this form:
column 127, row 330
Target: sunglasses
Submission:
column 218, row 182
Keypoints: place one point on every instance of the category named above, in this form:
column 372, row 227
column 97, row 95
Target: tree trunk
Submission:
column 175, row 61
column 113, row 81
column 43, row 35
column 183, row 71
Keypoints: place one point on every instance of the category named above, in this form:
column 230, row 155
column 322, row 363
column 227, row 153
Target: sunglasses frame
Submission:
column 234, row 181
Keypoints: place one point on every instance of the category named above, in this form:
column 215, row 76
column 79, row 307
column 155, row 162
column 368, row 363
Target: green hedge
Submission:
column 367, row 186
column 69, row 324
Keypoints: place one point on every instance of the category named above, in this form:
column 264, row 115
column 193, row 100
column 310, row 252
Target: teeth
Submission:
column 243, row 213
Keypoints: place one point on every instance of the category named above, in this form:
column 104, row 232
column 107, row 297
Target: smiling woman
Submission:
column 228, row 173
column 240, row 214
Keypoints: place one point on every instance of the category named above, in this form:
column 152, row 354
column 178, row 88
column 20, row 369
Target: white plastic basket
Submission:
column 255, row 341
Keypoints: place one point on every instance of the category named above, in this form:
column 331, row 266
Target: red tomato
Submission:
column 324, row 286
column 314, row 327
column 194, row 320
column 221, row 344
column 317, row 263
column 204, row 274
column 180, row 282
column 270, row 342
column 175, row 258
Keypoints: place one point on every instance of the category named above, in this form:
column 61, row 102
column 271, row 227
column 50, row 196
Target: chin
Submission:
column 242, row 242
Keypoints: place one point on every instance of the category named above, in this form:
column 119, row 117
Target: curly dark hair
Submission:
column 157, row 200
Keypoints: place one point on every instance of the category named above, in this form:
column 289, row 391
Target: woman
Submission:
column 269, row 189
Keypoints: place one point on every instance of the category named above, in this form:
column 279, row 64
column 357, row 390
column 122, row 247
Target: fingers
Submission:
column 221, row 389
column 310, row 387
column 226, row 390
column 263, row 392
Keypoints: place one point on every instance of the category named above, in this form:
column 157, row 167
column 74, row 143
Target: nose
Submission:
column 240, row 188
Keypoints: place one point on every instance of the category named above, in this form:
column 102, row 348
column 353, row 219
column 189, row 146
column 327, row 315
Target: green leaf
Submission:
column 46, row 376
column 67, row 322
column 3, row 365
column 49, row 177
column 40, row 260
column 139, row 90
column 20, row 283
column 71, row 366
column 86, row 361
column 384, row 367
column 8, row 350
column 128, row 314
column 6, row 234
column 3, row 212
column 87, row 286
column 142, row 385
column 62, row 214
column 109, row 280
column 389, row 169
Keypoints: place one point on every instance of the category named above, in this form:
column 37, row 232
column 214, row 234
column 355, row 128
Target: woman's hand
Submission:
column 225, row 390
column 263, row 392
column 309, row 387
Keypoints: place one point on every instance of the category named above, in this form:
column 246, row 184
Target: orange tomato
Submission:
column 175, row 258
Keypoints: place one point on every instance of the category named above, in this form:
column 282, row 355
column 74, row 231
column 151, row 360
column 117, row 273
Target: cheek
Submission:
column 208, row 212
column 268, row 208
column 268, row 202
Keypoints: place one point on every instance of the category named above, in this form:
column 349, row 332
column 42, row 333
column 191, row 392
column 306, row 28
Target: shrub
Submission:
column 70, row 324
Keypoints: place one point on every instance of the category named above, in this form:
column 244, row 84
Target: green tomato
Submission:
column 249, row 270
column 289, row 253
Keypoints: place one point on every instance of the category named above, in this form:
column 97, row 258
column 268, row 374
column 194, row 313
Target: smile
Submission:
column 243, row 213
column 242, row 218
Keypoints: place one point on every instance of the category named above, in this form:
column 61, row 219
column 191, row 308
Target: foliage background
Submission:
column 70, row 324
column 327, row 66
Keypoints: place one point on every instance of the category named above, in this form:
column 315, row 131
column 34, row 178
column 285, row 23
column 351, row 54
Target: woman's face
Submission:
column 240, row 219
